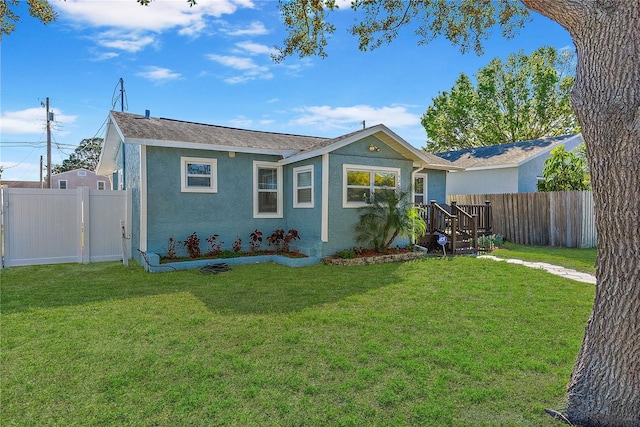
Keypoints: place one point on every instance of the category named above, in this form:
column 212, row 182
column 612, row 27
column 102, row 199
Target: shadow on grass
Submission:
column 246, row 289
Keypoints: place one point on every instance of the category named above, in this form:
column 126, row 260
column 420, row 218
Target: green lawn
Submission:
column 578, row 259
column 434, row 342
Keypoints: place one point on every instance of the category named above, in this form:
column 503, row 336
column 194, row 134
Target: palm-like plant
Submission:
column 388, row 215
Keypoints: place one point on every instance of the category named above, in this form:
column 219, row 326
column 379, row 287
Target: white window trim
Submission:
column 82, row 173
column 271, row 165
column 424, row 194
column 104, row 185
column 66, row 184
column 347, row 167
column 296, row 187
column 213, row 188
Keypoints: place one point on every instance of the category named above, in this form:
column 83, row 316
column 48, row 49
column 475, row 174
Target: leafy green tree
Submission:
column 524, row 98
column 86, row 155
column 564, row 171
column 388, row 215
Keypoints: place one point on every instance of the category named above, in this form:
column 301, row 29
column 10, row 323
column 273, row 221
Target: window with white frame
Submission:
column 101, row 185
column 362, row 183
column 303, row 187
column 267, row 190
column 420, row 189
column 198, row 175
column 62, row 184
column 82, row 173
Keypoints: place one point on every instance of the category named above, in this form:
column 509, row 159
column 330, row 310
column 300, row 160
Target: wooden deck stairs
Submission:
column 461, row 225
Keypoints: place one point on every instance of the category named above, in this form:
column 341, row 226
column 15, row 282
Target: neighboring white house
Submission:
column 506, row 168
column 80, row 178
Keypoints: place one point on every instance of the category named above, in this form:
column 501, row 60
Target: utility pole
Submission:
column 48, row 146
column 121, row 94
column 41, row 182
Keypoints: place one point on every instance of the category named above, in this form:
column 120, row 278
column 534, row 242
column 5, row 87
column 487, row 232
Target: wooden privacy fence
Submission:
column 559, row 218
column 44, row 226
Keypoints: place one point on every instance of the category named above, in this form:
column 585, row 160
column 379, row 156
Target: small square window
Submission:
column 101, row 185
column 62, row 184
column 82, row 173
column 198, row 175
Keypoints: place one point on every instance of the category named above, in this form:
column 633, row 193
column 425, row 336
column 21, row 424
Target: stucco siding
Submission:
column 307, row 221
column 486, row 181
column 228, row 213
column 436, row 185
column 343, row 220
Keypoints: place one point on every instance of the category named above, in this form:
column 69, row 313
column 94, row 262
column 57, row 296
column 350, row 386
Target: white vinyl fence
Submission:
column 46, row 226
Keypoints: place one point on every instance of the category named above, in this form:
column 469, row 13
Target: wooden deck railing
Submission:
column 483, row 214
column 458, row 222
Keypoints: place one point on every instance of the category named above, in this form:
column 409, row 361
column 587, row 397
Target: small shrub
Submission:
column 347, row 254
column 281, row 241
column 255, row 240
column 489, row 243
column 237, row 244
column 192, row 243
column 214, row 244
column 172, row 248
column 229, row 254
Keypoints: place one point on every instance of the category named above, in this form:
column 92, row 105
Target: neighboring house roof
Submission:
column 75, row 172
column 513, row 154
column 161, row 132
column 21, row 184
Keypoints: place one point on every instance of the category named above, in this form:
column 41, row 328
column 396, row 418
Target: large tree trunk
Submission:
column 604, row 389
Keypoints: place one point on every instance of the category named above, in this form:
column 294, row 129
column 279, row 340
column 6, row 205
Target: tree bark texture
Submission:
column 604, row 389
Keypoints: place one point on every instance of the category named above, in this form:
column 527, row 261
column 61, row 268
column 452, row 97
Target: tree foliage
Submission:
column 85, row 156
column 39, row 9
column 523, row 98
column 564, row 171
column 467, row 23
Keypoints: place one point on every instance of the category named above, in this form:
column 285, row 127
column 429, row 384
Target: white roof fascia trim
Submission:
column 551, row 147
column 365, row 133
column 207, row 147
column 329, row 148
column 110, row 163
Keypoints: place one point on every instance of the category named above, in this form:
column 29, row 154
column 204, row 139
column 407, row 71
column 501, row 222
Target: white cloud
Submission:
column 160, row 15
column 255, row 48
column 249, row 69
column 127, row 41
column 241, row 122
column 345, row 117
column 236, row 62
column 158, row 74
column 103, row 56
column 256, row 28
column 32, row 121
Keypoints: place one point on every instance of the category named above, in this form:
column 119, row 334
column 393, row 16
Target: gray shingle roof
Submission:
column 513, row 153
column 135, row 126
column 168, row 132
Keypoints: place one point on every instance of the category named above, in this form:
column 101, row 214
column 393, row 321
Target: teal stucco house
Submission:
column 190, row 177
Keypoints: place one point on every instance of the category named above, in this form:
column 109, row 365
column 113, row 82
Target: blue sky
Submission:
column 211, row 64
